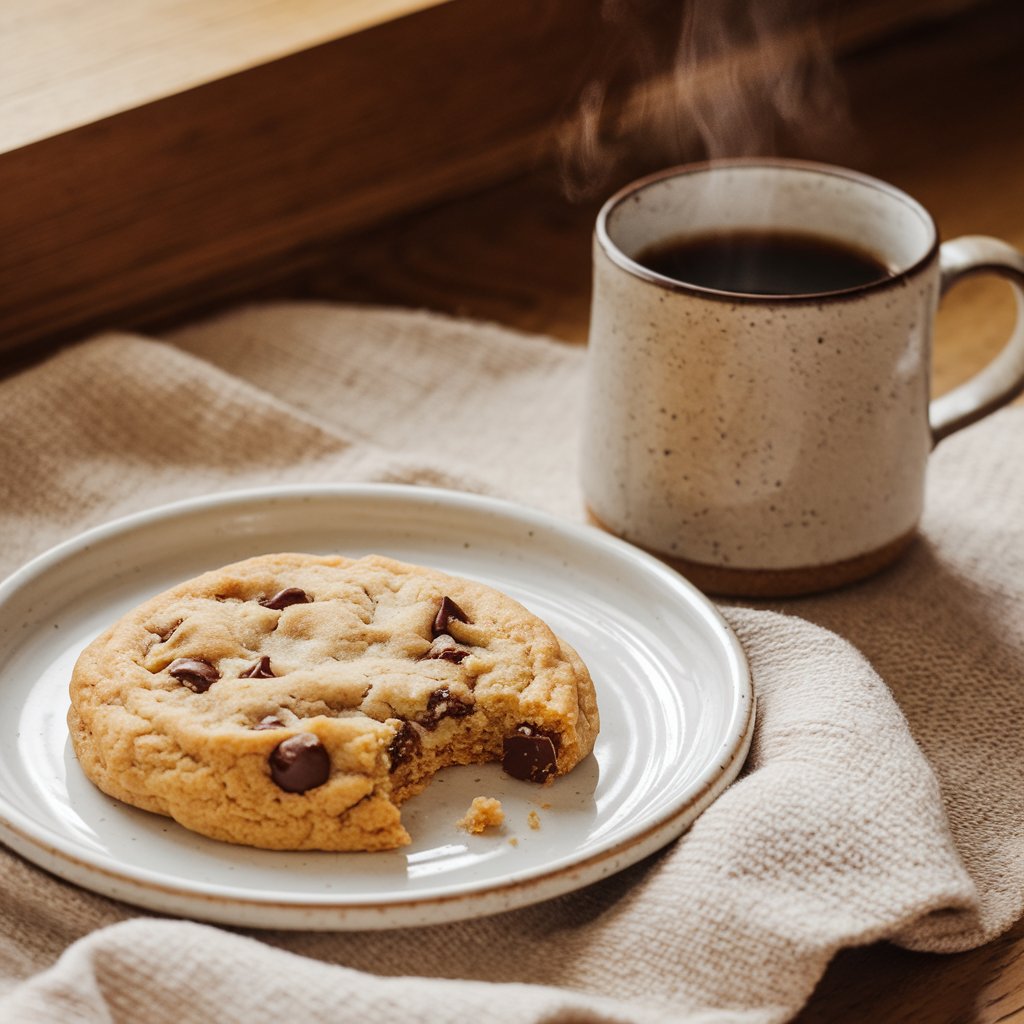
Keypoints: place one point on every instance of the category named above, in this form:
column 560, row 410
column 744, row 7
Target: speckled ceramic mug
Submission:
column 774, row 445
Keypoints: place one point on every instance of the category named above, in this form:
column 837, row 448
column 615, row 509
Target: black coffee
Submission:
column 764, row 263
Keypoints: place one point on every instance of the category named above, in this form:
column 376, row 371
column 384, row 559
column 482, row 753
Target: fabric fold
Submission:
column 883, row 794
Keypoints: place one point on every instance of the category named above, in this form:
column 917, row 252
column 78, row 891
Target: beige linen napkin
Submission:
column 839, row 832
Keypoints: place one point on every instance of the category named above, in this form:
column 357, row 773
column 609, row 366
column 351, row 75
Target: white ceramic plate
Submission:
column 672, row 684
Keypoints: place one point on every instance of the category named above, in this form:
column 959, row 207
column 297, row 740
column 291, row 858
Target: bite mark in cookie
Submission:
column 405, row 746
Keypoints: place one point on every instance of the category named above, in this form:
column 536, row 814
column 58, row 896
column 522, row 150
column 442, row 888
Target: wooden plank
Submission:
column 159, row 209
column 147, row 205
column 66, row 63
column 893, row 986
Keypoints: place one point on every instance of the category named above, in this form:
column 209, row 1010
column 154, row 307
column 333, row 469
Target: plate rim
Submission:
column 31, row 837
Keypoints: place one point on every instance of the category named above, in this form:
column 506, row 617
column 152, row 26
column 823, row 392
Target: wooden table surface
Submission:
column 943, row 119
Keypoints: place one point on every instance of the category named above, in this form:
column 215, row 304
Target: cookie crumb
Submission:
column 545, row 807
column 513, row 841
column 484, row 812
column 533, row 820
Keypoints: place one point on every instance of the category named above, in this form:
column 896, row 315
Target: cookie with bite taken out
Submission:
column 293, row 701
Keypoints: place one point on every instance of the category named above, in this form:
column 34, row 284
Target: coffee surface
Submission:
column 764, row 263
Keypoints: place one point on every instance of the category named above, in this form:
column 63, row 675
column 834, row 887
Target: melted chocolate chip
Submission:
column 299, row 763
column 405, row 746
column 198, row 675
column 530, row 754
column 284, row 598
column 442, row 704
column 449, row 610
column 261, row 670
column 444, row 648
column 270, row 722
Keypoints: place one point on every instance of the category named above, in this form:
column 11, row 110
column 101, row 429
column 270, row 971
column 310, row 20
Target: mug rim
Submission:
column 631, row 266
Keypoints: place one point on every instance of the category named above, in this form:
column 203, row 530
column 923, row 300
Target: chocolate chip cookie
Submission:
column 294, row 701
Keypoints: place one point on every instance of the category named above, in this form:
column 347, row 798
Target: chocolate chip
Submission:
column 299, row 763
column 270, row 722
column 284, row 598
column 261, row 670
column 444, row 648
column 530, row 754
column 442, row 704
column 405, row 746
column 198, row 675
column 448, row 610
column 526, row 729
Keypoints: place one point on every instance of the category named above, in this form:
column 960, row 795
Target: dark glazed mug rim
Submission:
column 638, row 270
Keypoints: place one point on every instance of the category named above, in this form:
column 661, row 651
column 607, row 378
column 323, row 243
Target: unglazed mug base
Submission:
column 722, row 581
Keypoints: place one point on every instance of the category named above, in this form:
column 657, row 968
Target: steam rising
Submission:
column 728, row 78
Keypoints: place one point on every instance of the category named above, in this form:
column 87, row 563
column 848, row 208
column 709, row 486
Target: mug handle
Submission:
column 1003, row 379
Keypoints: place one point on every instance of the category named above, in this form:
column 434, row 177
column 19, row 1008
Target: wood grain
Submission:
column 157, row 153
column 133, row 213
column 890, row 985
column 66, row 63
